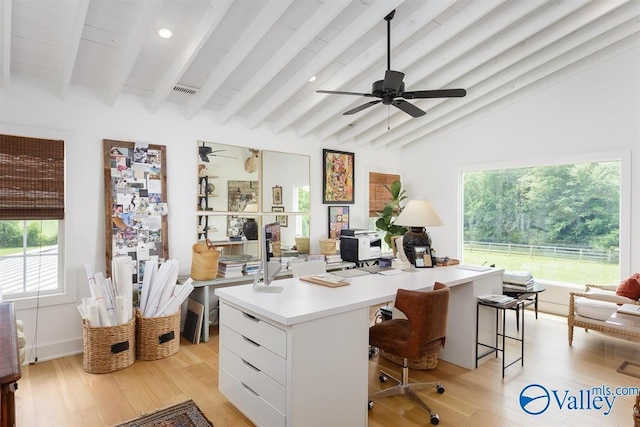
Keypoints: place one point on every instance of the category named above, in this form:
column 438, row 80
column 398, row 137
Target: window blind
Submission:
column 378, row 194
column 31, row 178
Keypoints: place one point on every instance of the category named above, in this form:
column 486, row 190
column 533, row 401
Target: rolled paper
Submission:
column 121, row 309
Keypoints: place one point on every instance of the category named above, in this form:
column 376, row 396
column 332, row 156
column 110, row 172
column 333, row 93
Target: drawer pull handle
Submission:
column 251, row 366
column 246, row 387
column 251, row 341
column 250, row 317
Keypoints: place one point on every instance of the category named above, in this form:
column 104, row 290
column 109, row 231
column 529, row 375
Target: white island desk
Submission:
column 300, row 357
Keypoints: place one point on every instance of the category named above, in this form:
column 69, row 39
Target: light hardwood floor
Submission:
column 59, row 392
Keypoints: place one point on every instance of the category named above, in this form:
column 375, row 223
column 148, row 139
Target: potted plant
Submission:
column 388, row 215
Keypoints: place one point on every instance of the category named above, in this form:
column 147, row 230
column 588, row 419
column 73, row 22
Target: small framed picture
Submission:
column 282, row 219
column 277, row 195
column 422, row 256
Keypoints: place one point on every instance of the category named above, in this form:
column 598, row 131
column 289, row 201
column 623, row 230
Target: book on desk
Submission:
column 631, row 309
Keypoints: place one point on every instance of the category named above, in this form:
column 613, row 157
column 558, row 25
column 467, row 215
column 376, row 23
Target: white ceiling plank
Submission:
column 331, row 51
column 445, row 55
column 404, row 30
column 133, row 46
column 475, row 114
column 71, row 51
column 6, row 43
column 245, row 44
column 481, row 63
column 458, row 23
column 501, row 86
column 212, row 17
column 323, row 16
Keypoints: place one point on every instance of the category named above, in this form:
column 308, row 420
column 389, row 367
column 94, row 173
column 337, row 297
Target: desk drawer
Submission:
column 249, row 401
column 257, row 330
column 255, row 354
column 269, row 389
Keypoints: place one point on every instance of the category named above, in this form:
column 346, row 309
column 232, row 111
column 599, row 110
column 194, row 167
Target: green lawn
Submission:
column 557, row 270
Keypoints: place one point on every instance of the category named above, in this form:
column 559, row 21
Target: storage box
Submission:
column 108, row 348
column 157, row 337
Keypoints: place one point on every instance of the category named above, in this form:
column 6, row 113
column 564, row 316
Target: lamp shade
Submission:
column 251, row 207
column 418, row 213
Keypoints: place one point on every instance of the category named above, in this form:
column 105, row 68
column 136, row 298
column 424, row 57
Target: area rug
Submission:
column 185, row 414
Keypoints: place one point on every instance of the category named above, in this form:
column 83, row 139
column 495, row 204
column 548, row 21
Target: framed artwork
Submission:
column 337, row 176
column 338, row 220
column 277, row 195
column 282, row 219
column 422, row 256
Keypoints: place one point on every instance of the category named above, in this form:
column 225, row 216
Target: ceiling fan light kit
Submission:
column 390, row 91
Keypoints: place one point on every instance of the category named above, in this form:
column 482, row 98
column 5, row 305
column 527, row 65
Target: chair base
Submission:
column 409, row 389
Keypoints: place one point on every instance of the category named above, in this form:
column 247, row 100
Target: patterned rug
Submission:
column 185, row 414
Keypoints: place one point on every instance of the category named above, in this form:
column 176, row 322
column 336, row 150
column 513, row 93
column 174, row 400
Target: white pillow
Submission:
column 608, row 296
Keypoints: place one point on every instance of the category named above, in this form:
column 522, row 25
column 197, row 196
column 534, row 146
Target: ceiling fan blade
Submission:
column 392, row 80
column 361, row 107
column 408, row 108
column 440, row 93
column 338, row 92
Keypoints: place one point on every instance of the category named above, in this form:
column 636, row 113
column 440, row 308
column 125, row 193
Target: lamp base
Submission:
column 416, row 236
column 250, row 229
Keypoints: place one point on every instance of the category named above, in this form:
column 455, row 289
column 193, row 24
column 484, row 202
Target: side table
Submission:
column 501, row 334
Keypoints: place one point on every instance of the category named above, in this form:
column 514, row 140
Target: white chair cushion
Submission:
column 608, row 296
column 594, row 308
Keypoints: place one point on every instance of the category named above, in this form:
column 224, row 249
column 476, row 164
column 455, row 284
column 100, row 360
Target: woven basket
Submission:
column 157, row 337
column 108, row 348
column 204, row 261
column 430, row 361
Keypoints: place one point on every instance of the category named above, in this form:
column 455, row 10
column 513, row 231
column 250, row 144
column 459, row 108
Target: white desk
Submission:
column 299, row 358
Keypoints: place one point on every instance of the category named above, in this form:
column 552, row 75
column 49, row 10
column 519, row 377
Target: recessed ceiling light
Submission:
column 165, row 33
column 312, row 78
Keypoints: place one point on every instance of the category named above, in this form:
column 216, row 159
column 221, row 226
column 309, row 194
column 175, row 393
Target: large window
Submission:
column 31, row 214
column 561, row 222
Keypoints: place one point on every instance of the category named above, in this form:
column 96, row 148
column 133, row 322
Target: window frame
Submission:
column 67, row 288
column 623, row 156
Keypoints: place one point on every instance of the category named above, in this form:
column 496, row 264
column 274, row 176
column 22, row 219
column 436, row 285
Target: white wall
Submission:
column 83, row 115
column 595, row 111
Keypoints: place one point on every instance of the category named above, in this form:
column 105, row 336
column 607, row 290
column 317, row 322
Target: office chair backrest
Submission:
column 308, row 268
column 427, row 314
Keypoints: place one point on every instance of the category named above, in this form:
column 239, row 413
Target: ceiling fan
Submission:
column 391, row 89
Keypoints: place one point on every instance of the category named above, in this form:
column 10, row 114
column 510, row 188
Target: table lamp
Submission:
column 417, row 215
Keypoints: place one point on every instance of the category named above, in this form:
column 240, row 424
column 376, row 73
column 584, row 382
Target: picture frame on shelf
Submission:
column 277, row 195
column 282, row 219
column 422, row 256
column 338, row 221
column 338, row 176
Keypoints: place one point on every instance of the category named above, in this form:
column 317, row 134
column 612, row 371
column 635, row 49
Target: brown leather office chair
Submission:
column 422, row 333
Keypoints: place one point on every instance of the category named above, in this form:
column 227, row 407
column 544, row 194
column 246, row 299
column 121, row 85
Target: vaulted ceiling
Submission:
column 250, row 61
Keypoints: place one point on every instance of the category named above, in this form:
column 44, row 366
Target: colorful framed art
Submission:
column 337, row 176
column 338, row 221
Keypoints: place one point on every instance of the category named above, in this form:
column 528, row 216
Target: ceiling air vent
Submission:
column 185, row 89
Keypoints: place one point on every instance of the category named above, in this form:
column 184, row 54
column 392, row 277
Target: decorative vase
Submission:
column 250, row 229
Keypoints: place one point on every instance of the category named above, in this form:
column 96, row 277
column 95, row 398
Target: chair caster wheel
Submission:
column 435, row 419
column 383, row 378
column 440, row 389
column 370, row 405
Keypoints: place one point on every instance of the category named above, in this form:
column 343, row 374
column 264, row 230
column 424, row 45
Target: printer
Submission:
column 358, row 245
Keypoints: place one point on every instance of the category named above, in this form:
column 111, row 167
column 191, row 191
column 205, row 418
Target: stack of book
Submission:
column 251, row 268
column 518, row 280
column 230, row 268
column 333, row 259
column 312, row 257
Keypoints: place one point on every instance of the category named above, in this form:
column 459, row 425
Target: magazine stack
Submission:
column 518, row 280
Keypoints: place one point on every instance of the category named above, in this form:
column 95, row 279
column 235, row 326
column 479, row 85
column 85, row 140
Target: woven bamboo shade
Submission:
column 31, row 178
column 378, row 194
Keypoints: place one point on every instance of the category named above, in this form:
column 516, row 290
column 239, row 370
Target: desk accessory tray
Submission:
column 324, row 281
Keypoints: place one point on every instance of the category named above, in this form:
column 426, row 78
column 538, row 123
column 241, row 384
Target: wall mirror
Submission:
column 241, row 188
